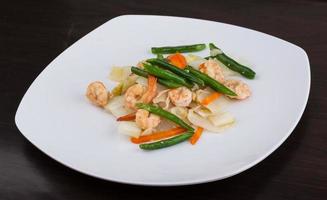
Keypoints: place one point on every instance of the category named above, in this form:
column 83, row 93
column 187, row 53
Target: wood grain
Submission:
column 33, row 33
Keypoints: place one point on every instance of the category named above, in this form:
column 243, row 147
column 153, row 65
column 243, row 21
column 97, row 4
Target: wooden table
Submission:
column 33, row 33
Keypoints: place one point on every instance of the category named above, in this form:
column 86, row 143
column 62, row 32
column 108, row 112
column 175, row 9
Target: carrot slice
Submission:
column 128, row 117
column 178, row 60
column 203, row 65
column 152, row 89
column 195, row 137
column 210, row 98
column 158, row 135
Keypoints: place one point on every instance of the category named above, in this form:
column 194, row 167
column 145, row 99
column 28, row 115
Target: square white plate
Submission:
column 56, row 117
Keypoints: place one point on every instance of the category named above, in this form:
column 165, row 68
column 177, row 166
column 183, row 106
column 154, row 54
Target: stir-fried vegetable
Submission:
column 196, row 136
column 180, row 49
column 164, row 82
column 215, row 123
column 165, row 114
column 116, row 91
column 160, row 56
column 221, row 119
column 167, row 143
column 128, row 117
column 210, row 98
column 164, row 74
column 212, row 82
column 128, row 82
column 151, row 91
column 119, row 74
column 116, row 106
column 180, row 112
column 178, row 60
column 230, row 63
column 158, row 135
column 129, row 128
column 177, row 71
column 196, row 93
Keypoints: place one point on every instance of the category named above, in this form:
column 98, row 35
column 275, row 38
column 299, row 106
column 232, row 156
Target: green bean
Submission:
column 180, row 49
column 160, row 56
column 165, row 114
column 139, row 72
column 232, row 64
column 176, row 70
column 164, row 82
column 211, row 82
column 164, row 74
column 166, row 143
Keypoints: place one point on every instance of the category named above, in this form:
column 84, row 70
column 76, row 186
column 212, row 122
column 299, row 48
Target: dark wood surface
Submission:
column 33, row 33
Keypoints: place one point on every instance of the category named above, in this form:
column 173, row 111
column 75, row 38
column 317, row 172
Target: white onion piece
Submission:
column 128, row 82
column 180, row 112
column 191, row 57
column 116, row 106
column 129, row 128
column 219, row 105
column 197, row 120
column 119, row 74
column 215, row 52
column 165, row 125
column 194, row 61
column 147, row 131
column 201, row 94
column 222, row 119
column 196, row 64
column 202, row 111
column 142, row 81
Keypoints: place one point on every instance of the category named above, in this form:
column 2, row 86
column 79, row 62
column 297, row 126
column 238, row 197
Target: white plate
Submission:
column 56, row 117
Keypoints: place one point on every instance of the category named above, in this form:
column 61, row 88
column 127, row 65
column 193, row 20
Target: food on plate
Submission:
column 178, row 49
column 97, row 93
column 230, row 63
column 164, row 101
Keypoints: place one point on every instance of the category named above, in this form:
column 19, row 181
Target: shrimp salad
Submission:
column 166, row 100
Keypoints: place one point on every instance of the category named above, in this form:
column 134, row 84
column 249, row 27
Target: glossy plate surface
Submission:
column 55, row 116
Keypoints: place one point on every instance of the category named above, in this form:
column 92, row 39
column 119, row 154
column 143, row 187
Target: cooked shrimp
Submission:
column 241, row 89
column 141, row 64
column 151, row 91
column 181, row 96
column 133, row 95
column 212, row 69
column 97, row 93
column 145, row 120
column 138, row 93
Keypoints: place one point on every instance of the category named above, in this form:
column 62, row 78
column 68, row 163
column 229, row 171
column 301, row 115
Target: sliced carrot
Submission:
column 158, row 135
column 178, row 60
column 152, row 89
column 203, row 65
column 195, row 137
column 128, row 117
column 210, row 98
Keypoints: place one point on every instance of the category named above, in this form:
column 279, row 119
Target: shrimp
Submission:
column 141, row 64
column 133, row 95
column 181, row 96
column 212, row 69
column 138, row 93
column 145, row 120
column 241, row 89
column 97, row 93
